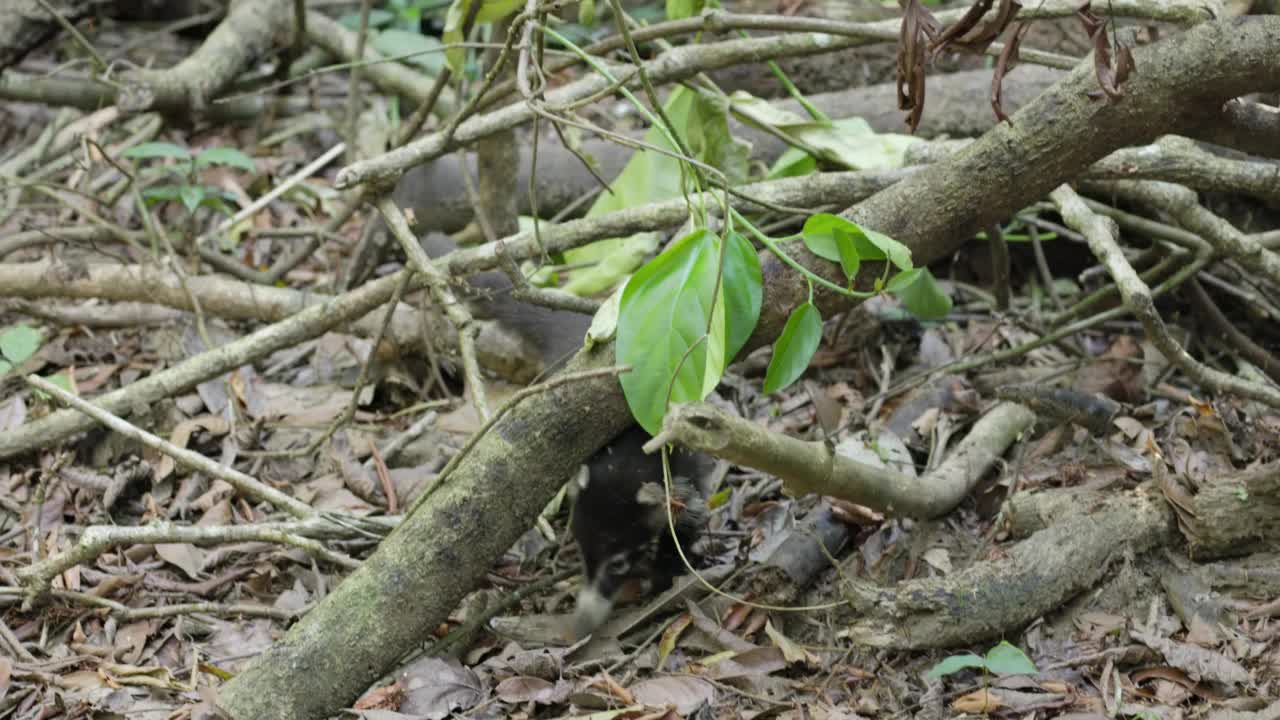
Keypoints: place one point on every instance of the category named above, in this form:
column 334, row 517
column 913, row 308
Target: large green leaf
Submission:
column 849, row 142
column 833, row 238
column 795, row 347
column 885, row 248
column 651, row 176
column 666, row 309
column 743, row 290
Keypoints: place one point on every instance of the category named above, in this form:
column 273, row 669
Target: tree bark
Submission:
column 1236, row 515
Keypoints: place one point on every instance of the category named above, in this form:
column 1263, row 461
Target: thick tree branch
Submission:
column 1051, row 140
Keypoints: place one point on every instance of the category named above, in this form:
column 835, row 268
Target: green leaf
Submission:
column 720, row 498
column 191, row 196
column 411, row 47
column 1007, row 659
column 377, row 18
column 217, row 204
column 587, row 12
column 834, row 238
column 920, row 294
column 490, row 11
column 62, row 380
column 796, row 346
column 452, row 35
column 151, row 150
column 226, row 156
column 160, row 193
column 494, row 10
column 793, row 162
column 826, row 234
column 604, row 324
column 848, row 142
column 665, row 312
column 956, row 663
column 743, row 287
column 5, row 367
column 651, row 176
column 894, row 251
column 19, row 342
column 679, row 9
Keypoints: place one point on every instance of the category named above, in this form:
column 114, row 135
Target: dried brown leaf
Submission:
column 1199, row 663
column 791, row 651
column 671, row 636
column 685, row 693
column 1008, row 56
column 524, row 688
column 436, row 688
column 963, row 25
column 919, row 26
column 1110, row 77
column 752, row 663
column 983, row 701
column 185, row 556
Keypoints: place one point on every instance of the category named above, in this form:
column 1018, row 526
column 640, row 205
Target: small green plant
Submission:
column 17, row 343
column 1003, row 659
column 188, row 190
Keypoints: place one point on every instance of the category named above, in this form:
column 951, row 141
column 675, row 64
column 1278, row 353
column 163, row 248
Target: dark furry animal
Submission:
column 621, row 523
column 555, row 333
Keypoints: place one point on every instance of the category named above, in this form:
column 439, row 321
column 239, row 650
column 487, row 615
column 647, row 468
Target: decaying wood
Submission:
column 800, row 559
column 1236, row 515
column 25, row 24
column 995, row 597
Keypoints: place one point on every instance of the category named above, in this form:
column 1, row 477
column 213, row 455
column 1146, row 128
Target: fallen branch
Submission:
column 247, row 34
column 996, row 597
column 811, row 467
column 1235, row 515
column 97, row 539
column 249, row 486
column 1101, row 233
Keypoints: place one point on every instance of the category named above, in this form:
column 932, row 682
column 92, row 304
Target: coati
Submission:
column 620, row 522
column 619, row 517
column 556, row 334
